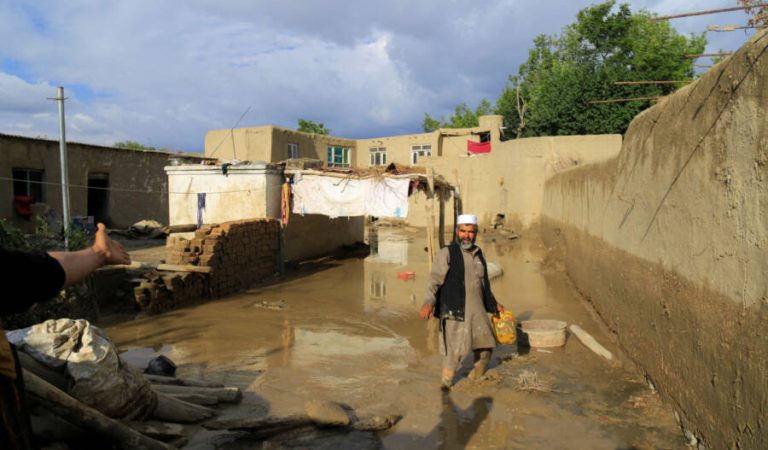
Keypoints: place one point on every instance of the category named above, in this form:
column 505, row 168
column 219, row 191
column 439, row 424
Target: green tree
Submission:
column 563, row 73
column 308, row 126
column 463, row 117
column 133, row 145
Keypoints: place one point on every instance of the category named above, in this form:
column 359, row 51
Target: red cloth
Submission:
column 23, row 203
column 478, row 147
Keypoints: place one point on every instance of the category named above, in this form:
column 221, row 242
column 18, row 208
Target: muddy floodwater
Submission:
column 347, row 330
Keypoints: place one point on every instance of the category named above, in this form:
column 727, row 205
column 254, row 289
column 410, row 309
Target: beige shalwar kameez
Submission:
column 459, row 338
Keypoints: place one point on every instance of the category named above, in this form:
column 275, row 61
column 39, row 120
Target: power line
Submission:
column 231, row 132
column 137, row 191
column 652, row 82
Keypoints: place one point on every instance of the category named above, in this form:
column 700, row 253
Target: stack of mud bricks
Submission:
column 238, row 253
column 164, row 291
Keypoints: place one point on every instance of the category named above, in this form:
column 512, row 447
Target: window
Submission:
column 420, row 150
column 293, row 151
column 378, row 156
column 28, row 182
column 338, row 156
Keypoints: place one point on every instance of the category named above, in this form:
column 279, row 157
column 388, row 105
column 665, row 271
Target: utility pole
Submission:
column 64, row 167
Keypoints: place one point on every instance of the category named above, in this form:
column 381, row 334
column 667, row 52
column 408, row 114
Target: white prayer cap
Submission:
column 467, row 219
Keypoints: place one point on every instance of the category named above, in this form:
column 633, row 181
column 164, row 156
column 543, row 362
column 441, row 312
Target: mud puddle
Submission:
column 348, row 331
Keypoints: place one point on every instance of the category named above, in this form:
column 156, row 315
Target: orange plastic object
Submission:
column 406, row 275
column 504, row 328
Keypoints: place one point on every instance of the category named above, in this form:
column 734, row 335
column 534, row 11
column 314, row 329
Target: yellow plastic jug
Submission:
column 504, row 327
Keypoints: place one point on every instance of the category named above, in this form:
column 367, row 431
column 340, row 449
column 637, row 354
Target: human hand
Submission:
column 500, row 308
column 111, row 251
column 426, row 311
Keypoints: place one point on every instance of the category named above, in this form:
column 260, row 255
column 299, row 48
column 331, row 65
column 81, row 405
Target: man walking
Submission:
column 459, row 295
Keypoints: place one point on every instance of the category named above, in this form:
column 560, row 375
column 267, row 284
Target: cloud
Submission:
column 163, row 73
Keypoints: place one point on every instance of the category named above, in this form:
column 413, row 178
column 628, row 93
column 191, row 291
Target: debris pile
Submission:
column 74, row 376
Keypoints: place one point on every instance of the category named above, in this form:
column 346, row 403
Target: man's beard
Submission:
column 467, row 244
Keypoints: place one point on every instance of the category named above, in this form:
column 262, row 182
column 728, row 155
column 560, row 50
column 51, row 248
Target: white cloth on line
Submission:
column 339, row 197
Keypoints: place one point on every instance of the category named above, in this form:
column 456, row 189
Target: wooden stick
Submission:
column 431, row 216
column 225, row 394
column 184, row 268
column 709, row 11
column 618, row 100
column 258, row 424
column 61, row 404
column 276, row 425
column 162, row 379
column 170, row 409
column 621, row 83
column 701, row 55
column 197, row 399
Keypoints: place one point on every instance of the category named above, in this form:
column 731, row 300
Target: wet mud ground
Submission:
column 347, row 330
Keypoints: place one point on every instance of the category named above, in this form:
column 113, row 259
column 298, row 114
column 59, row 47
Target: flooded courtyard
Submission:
column 347, row 330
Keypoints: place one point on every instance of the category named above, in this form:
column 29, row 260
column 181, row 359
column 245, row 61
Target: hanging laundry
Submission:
column 200, row 208
column 337, row 197
column 23, row 205
column 285, row 204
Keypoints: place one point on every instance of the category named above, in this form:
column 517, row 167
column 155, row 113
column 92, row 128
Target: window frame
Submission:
column 344, row 155
column 378, row 156
column 21, row 175
column 293, row 150
column 420, row 150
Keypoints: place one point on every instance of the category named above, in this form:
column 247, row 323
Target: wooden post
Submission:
column 441, row 218
column 431, row 216
column 455, row 212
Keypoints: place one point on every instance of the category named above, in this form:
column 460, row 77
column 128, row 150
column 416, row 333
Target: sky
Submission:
column 162, row 73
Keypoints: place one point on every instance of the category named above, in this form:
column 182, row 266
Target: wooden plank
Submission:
column 161, row 379
column 708, row 11
column 225, row 394
column 184, row 268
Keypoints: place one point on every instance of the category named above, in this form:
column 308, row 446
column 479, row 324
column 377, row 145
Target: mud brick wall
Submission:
column 238, row 254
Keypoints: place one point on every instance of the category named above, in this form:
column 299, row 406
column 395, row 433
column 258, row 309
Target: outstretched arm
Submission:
column 104, row 251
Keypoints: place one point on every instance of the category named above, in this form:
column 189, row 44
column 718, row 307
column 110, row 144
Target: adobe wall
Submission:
column 315, row 235
column 669, row 241
column 270, row 144
column 398, row 147
column 510, row 180
column 136, row 178
column 243, row 192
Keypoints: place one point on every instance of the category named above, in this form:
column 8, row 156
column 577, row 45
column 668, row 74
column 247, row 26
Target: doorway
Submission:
column 98, row 197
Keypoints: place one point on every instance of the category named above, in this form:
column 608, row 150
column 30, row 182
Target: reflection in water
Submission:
column 378, row 286
column 388, row 246
column 457, row 426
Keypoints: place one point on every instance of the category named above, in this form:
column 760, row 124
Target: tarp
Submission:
column 348, row 197
column 478, row 147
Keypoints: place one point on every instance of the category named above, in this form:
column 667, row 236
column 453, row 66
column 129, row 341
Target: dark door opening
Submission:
column 98, row 197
